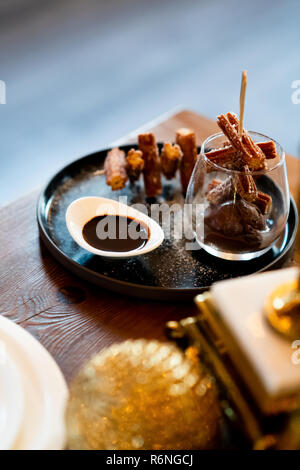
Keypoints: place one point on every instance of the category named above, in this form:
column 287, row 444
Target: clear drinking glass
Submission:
column 230, row 226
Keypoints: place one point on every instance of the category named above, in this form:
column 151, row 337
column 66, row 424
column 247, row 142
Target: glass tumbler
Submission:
column 229, row 224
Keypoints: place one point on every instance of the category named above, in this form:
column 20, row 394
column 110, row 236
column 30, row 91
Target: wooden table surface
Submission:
column 71, row 318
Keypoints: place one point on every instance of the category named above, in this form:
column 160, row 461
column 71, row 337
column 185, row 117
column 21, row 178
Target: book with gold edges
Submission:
column 257, row 367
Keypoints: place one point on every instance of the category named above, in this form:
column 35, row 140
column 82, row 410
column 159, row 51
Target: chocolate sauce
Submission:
column 115, row 233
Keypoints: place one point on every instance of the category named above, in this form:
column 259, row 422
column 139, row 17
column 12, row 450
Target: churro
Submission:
column 152, row 178
column 115, row 170
column 186, row 139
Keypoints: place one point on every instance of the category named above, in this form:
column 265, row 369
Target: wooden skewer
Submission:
column 99, row 172
column 242, row 100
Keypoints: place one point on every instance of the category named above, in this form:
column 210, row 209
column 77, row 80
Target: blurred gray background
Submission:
column 81, row 73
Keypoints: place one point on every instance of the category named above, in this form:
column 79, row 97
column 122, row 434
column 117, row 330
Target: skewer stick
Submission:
column 242, row 100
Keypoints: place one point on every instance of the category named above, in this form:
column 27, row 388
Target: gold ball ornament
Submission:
column 143, row 395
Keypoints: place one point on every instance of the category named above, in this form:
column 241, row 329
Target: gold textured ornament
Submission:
column 143, row 394
column 282, row 307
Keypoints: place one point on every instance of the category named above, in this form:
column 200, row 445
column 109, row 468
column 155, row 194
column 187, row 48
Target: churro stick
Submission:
column 233, row 119
column 268, row 148
column 152, row 179
column 134, row 164
column 213, row 185
column 257, row 162
column 169, row 159
column 186, row 139
column 245, row 185
column 218, row 191
column 263, row 202
column 252, row 155
column 114, row 167
column 228, row 156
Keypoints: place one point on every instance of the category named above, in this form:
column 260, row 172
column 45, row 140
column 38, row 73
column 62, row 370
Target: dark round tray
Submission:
column 169, row 272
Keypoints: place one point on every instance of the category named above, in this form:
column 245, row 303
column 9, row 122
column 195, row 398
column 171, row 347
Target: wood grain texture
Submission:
column 70, row 318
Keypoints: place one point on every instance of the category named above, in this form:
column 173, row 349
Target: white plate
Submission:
column 44, row 389
column 11, row 400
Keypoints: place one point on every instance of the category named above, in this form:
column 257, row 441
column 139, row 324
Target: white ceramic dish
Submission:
column 45, row 391
column 11, row 400
column 82, row 210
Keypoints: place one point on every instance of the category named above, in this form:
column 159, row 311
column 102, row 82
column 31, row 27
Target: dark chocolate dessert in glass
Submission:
column 240, row 188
